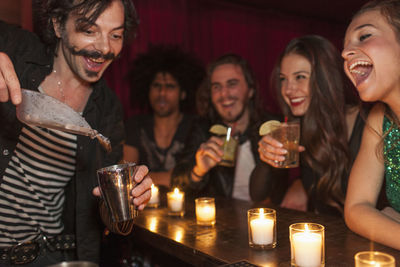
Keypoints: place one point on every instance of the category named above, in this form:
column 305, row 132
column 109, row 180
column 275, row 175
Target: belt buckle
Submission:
column 23, row 253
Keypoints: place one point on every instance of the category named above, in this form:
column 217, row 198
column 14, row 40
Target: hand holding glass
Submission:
column 229, row 147
column 288, row 134
column 116, row 183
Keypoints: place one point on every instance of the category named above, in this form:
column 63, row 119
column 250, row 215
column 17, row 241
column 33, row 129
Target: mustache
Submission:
column 222, row 99
column 93, row 54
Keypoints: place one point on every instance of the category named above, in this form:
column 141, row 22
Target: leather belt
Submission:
column 28, row 251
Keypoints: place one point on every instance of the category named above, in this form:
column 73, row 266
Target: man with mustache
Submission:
column 229, row 97
column 164, row 80
column 49, row 197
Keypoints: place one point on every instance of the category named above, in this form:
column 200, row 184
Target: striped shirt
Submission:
column 32, row 191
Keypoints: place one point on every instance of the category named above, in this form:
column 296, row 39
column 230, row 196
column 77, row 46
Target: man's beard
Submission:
column 238, row 116
column 161, row 112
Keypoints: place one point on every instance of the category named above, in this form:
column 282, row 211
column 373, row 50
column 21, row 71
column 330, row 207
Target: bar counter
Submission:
column 227, row 242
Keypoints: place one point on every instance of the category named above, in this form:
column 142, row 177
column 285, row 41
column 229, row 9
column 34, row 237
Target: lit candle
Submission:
column 175, row 201
column 307, row 248
column 155, row 198
column 262, row 229
column 205, row 211
column 374, row 259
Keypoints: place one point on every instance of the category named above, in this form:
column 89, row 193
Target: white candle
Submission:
column 175, row 200
column 155, row 198
column 205, row 212
column 262, row 230
column 307, row 248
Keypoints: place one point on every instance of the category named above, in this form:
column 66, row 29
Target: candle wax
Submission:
column 307, row 249
column 205, row 213
column 262, row 231
column 155, row 199
column 175, row 201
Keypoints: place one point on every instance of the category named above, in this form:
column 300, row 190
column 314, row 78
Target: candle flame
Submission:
column 306, row 228
column 154, row 188
column 261, row 213
column 176, row 190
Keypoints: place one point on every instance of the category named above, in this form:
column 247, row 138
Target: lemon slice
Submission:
column 218, row 129
column 268, row 127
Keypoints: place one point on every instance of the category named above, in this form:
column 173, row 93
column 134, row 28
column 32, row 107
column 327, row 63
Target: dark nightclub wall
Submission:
column 212, row 28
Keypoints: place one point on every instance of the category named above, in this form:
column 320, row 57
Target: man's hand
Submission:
column 208, row 155
column 141, row 193
column 10, row 87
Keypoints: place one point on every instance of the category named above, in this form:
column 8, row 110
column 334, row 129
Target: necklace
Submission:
column 60, row 88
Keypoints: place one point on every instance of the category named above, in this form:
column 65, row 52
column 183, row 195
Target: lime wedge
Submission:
column 268, row 127
column 218, row 129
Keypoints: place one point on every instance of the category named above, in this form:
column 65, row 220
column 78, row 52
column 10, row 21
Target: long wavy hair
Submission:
column 204, row 105
column 323, row 126
column 89, row 10
column 390, row 9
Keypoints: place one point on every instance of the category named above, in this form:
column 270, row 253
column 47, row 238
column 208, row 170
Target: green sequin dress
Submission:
column 391, row 151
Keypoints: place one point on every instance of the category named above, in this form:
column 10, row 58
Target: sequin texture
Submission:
column 391, row 151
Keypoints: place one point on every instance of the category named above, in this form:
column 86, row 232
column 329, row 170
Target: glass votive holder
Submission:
column 154, row 201
column 374, row 258
column 176, row 203
column 205, row 211
column 262, row 228
column 307, row 244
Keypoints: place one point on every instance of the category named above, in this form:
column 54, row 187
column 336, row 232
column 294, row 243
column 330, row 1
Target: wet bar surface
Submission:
column 227, row 241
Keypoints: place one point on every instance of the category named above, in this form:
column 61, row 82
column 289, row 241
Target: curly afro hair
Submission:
column 185, row 68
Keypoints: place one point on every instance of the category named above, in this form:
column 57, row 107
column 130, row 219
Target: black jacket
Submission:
column 103, row 112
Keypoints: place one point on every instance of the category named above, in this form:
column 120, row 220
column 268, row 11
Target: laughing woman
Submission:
column 372, row 62
column 312, row 87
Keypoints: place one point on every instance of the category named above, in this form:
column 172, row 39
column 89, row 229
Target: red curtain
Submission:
column 209, row 29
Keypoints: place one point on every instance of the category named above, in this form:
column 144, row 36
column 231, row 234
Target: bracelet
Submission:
column 195, row 174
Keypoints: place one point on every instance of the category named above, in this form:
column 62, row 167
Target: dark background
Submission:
column 256, row 29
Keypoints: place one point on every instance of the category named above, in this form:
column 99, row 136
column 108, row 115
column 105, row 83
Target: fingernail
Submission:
column 17, row 99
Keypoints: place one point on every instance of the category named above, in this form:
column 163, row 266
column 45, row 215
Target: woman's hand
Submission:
column 271, row 151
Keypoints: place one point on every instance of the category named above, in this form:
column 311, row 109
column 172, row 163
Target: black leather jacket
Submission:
column 103, row 112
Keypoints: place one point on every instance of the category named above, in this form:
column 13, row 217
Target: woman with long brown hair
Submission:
column 312, row 87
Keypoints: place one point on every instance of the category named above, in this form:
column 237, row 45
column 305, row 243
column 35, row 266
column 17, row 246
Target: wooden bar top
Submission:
column 227, row 241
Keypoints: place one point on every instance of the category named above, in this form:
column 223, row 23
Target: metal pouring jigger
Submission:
column 116, row 183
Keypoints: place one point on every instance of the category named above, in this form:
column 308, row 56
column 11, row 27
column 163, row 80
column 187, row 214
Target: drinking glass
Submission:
column 230, row 148
column 288, row 133
column 374, row 258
